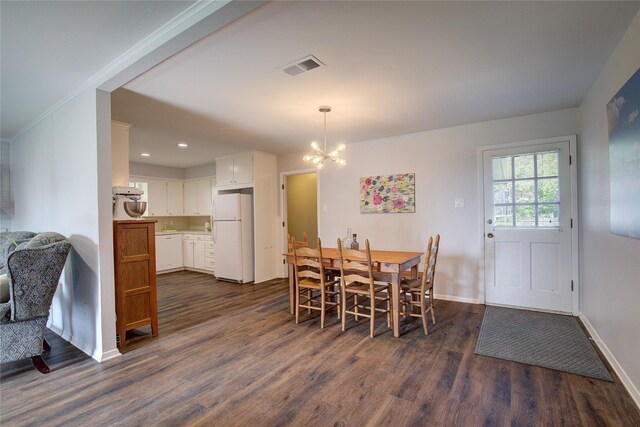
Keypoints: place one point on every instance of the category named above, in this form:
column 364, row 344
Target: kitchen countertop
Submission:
column 168, row 232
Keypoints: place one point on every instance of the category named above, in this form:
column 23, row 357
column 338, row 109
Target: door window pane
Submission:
column 525, row 216
column 547, row 164
column 502, row 192
column 548, row 190
column 503, row 216
column 523, row 166
column 525, row 191
column 501, row 168
column 548, row 215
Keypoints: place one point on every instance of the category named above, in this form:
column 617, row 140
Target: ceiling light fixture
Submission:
column 183, row 145
column 145, row 154
column 319, row 155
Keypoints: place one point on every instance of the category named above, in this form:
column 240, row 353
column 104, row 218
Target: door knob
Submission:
column 490, row 235
column 490, row 221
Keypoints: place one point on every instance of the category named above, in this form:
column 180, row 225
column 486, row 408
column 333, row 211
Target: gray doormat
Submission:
column 549, row 340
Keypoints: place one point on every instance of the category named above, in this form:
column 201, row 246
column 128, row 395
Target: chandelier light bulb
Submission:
column 320, row 155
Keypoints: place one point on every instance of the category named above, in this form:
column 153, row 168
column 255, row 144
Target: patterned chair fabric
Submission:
column 8, row 243
column 34, row 268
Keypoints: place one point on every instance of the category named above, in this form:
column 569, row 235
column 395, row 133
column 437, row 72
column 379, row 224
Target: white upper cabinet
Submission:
column 243, row 169
column 157, row 197
column 224, row 171
column 234, row 171
column 197, row 197
column 204, row 196
column 175, row 198
column 190, row 198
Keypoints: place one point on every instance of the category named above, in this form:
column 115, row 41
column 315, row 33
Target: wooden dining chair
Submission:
column 292, row 242
column 312, row 284
column 357, row 279
column 415, row 292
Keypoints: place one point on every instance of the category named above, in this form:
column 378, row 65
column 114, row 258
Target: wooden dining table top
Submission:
column 386, row 257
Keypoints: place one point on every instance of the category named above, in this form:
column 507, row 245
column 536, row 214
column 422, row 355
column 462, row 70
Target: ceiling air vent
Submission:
column 301, row 65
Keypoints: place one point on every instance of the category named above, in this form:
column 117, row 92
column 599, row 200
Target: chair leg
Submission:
column 297, row 305
column 338, row 301
column 45, row 345
column 355, row 300
column 39, row 364
column 388, row 309
column 372, row 307
column 323, row 308
column 309, row 297
column 423, row 314
column 343, row 308
column 433, row 313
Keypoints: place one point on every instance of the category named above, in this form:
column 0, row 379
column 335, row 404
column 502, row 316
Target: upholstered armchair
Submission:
column 8, row 243
column 33, row 270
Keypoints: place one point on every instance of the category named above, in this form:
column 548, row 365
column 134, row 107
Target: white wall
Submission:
column 445, row 164
column 55, row 183
column 200, row 171
column 5, row 192
column 610, row 264
column 155, row 171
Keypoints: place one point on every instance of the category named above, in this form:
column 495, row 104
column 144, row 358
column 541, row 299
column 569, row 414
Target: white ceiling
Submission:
column 49, row 48
column 391, row 68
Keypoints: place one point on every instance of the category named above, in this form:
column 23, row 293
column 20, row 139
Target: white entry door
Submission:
column 527, row 227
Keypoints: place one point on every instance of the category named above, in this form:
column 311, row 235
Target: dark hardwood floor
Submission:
column 232, row 355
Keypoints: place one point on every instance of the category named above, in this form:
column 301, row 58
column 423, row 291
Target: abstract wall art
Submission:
column 624, row 159
column 388, row 193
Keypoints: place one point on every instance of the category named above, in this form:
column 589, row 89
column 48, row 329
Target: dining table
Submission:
column 388, row 266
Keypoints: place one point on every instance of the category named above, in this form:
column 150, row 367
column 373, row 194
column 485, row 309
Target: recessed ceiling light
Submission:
column 145, row 154
column 183, row 145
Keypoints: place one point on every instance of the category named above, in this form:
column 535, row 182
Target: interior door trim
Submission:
column 573, row 174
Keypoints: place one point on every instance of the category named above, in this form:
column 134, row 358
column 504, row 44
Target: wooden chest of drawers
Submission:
column 135, row 276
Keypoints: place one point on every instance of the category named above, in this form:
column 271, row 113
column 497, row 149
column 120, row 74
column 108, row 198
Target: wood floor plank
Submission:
column 232, row 355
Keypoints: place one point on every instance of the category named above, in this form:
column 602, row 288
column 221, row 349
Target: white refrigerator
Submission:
column 232, row 217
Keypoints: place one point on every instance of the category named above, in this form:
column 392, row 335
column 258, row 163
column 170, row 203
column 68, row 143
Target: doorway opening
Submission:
column 299, row 208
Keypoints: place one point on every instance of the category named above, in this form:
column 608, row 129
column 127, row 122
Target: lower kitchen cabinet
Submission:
column 197, row 251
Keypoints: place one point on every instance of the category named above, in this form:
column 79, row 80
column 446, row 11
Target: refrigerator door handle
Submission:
column 215, row 230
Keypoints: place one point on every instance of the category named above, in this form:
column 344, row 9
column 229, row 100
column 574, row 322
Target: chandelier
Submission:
column 319, row 155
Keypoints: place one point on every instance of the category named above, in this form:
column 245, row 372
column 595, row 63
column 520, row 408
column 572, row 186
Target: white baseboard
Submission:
column 626, row 381
column 100, row 357
column 465, row 300
column 108, row 355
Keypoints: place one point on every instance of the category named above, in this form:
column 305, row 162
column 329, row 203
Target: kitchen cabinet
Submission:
column 197, row 250
column 169, row 252
column 175, row 198
column 198, row 254
column 156, row 197
column 235, row 171
column 208, row 253
column 187, row 250
column 197, row 197
column 135, row 276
